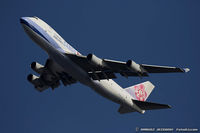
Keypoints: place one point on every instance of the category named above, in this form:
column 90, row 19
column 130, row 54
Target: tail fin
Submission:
column 140, row 91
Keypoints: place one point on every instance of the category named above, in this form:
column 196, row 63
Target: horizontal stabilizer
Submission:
column 143, row 106
column 150, row 106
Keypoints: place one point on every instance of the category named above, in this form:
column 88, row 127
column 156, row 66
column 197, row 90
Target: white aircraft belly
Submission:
column 108, row 89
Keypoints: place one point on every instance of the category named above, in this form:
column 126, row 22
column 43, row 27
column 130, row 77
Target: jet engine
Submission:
column 37, row 82
column 37, row 67
column 134, row 67
column 94, row 60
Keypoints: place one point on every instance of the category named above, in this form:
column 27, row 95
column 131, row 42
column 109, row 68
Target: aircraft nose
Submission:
column 22, row 20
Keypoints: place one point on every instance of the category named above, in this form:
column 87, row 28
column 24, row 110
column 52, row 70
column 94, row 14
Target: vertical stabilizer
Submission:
column 140, row 91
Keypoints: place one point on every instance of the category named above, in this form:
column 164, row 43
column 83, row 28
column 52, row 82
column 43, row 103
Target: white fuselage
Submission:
column 55, row 46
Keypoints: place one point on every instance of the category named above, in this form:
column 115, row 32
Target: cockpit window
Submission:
column 35, row 17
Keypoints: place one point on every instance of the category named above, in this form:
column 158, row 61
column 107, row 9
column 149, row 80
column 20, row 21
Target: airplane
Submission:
column 66, row 65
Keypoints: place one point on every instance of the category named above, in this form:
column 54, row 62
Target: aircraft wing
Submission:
column 163, row 69
column 106, row 68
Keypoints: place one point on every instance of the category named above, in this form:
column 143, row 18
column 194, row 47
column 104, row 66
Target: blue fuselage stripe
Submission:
column 50, row 39
column 33, row 28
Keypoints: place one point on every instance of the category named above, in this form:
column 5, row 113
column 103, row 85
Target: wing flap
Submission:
column 100, row 75
column 129, row 74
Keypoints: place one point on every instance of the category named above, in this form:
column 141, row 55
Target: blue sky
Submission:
column 151, row 32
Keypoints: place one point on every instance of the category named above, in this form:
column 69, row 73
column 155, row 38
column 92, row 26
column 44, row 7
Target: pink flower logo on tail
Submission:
column 140, row 92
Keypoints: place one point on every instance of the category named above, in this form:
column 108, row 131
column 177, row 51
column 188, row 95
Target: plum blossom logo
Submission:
column 77, row 53
column 140, row 92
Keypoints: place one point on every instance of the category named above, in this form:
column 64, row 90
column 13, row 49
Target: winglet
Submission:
column 143, row 111
column 170, row 106
column 186, row 70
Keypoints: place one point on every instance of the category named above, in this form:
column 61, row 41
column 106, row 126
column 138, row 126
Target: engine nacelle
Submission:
column 31, row 78
column 38, row 68
column 94, row 60
column 37, row 82
column 134, row 66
